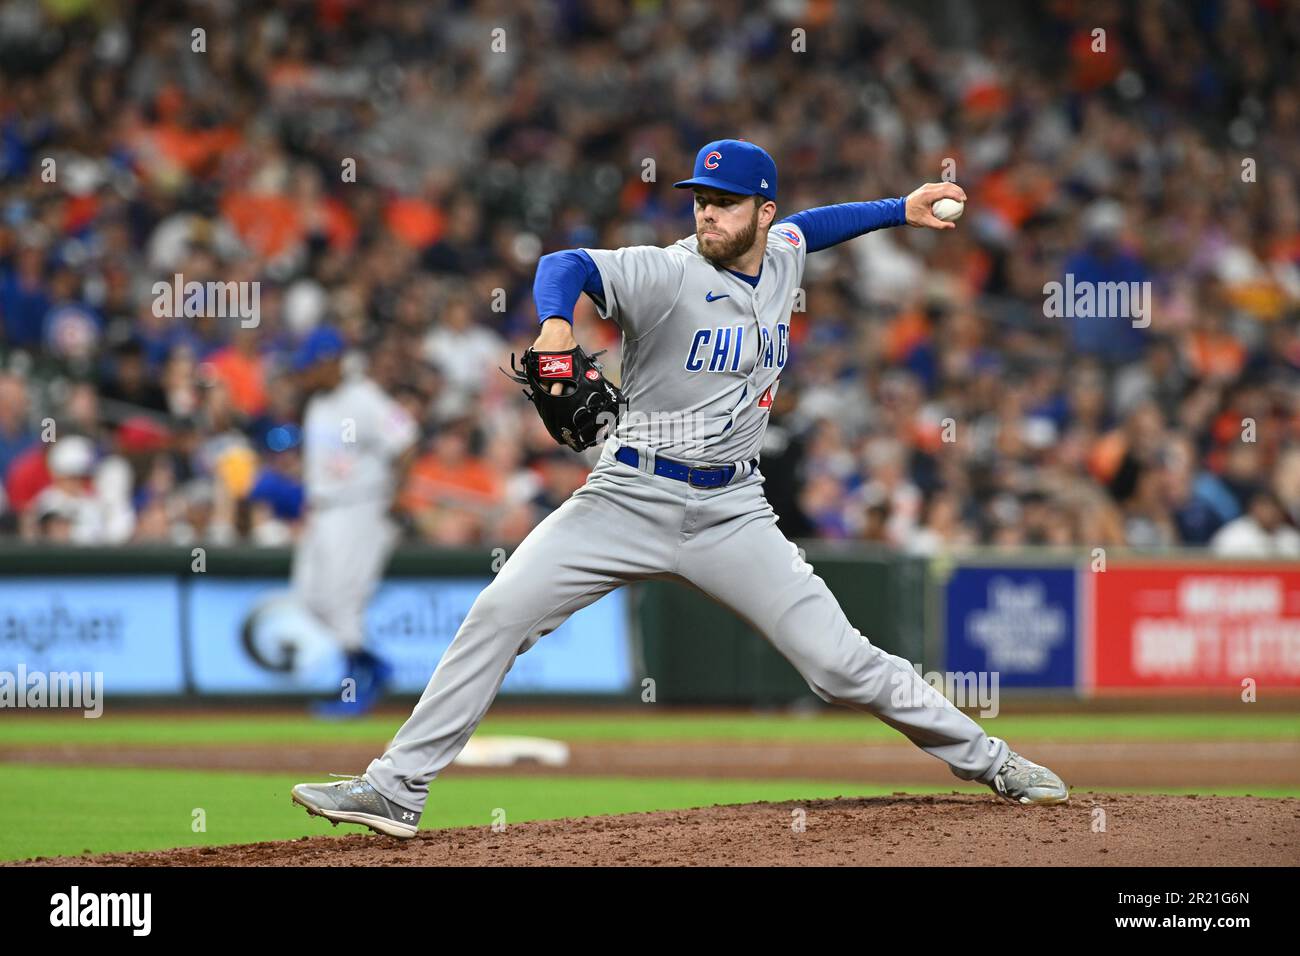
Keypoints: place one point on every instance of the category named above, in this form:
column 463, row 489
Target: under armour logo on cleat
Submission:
column 710, row 297
column 408, row 816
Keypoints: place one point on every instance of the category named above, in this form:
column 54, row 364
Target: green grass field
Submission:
column 61, row 810
column 107, row 809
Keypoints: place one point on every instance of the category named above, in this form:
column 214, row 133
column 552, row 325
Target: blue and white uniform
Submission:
column 352, row 436
column 677, row 491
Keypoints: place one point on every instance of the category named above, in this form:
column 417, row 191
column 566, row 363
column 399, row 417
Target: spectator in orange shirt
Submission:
column 242, row 369
column 1213, row 352
column 451, row 493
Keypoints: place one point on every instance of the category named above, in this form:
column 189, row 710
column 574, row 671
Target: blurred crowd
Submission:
column 396, row 169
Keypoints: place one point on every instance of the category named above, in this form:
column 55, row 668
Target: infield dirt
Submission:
column 1094, row 829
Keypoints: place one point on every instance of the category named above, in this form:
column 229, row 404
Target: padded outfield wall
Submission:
column 165, row 623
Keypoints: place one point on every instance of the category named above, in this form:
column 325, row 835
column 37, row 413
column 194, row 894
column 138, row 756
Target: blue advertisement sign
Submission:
column 128, row 630
column 1019, row 622
column 250, row 636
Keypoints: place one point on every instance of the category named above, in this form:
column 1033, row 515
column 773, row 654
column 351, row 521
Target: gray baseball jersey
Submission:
column 351, row 437
column 703, row 352
column 702, row 349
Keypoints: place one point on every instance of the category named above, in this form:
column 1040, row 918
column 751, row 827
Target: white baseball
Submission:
column 947, row 210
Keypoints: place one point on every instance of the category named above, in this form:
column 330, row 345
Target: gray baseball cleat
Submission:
column 354, row 800
column 1022, row 781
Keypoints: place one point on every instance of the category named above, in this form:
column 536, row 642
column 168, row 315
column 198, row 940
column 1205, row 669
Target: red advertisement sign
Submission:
column 1195, row 626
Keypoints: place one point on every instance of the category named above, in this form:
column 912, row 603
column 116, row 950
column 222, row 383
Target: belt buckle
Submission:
column 719, row 473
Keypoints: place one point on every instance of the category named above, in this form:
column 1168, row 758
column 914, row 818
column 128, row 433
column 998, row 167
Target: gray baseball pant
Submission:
column 338, row 563
column 625, row 525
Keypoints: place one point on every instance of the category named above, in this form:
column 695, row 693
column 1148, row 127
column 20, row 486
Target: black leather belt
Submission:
column 680, row 471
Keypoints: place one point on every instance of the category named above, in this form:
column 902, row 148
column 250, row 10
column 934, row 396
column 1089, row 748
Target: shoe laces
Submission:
column 349, row 778
column 1016, row 763
column 1013, row 762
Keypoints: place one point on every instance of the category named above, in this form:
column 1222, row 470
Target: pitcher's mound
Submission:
column 1093, row 829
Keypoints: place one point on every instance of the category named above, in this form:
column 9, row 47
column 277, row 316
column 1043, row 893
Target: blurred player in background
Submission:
column 357, row 446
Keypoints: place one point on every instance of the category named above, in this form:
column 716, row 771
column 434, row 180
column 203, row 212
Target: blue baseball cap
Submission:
column 734, row 166
column 322, row 344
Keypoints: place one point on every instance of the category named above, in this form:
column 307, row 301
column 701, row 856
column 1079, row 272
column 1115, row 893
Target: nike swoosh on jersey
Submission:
column 710, row 297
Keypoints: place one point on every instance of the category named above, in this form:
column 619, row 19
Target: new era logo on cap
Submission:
column 555, row 366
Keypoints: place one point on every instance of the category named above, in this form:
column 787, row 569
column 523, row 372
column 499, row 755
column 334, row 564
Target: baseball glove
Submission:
column 586, row 403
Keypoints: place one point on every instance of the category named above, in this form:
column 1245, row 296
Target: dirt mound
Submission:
column 1094, row 829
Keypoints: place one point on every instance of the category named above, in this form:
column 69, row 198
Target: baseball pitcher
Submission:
column 678, row 490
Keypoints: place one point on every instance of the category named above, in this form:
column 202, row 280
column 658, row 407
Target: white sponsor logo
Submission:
column 1019, row 628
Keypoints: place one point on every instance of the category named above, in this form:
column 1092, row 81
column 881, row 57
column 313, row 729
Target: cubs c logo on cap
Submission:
column 749, row 169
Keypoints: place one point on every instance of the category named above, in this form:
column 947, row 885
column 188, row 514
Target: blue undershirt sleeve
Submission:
column 825, row 226
column 561, row 278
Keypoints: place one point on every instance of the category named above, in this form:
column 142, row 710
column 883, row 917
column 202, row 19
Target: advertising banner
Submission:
column 1017, row 622
column 251, row 636
column 124, row 629
column 1195, row 626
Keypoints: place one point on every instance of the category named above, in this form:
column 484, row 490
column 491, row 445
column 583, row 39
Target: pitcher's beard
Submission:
column 721, row 251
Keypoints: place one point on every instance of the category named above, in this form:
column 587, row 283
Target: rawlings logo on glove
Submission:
column 555, row 366
column 587, row 401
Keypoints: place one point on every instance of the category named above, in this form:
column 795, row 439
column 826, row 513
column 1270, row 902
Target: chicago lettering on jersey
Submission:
column 718, row 349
